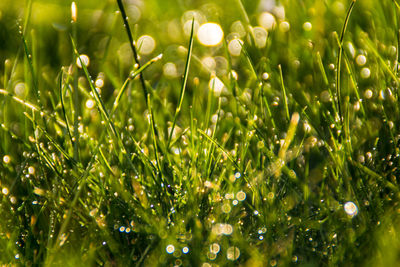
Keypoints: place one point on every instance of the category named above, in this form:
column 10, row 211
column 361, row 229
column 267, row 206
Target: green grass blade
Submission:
column 339, row 60
column 285, row 101
column 185, row 77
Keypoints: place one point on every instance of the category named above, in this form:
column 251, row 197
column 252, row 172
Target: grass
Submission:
column 285, row 154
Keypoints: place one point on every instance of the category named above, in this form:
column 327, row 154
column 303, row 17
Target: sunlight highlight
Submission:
column 210, row 34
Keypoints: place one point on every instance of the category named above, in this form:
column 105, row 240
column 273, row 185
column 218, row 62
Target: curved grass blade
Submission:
column 132, row 76
column 60, row 86
column 97, row 98
column 32, row 107
column 339, row 60
column 285, row 101
column 185, row 78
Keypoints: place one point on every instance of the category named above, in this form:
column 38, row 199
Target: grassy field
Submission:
column 199, row 133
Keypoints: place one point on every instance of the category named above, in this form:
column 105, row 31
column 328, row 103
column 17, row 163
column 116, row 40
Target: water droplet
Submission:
column 90, row 104
column 235, row 47
column 210, row 34
column 368, row 93
column 85, row 60
column 170, row 249
column 307, row 26
column 350, row 208
column 5, row 191
column 146, row 44
column 241, row 195
column 6, row 159
column 365, row 73
column 215, row 248
column 361, row 60
column 260, row 36
column 284, row 26
column 233, row 253
column 265, row 76
column 267, row 20
column 216, row 85
column 99, row 83
column 185, row 250
column 31, row 170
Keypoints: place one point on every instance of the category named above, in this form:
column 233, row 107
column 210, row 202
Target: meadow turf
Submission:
column 127, row 141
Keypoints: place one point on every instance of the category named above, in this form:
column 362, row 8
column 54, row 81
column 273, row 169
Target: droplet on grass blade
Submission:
column 216, row 85
column 260, row 36
column 365, row 73
column 241, row 195
column 82, row 59
column 350, row 208
column 235, row 47
column 233, row 253
column 74, row 12
column 267, row 20
column 6, row 159
column 90, row 104
column 5, row 191
column 361, row 60
column 215, row 248
column 368, row 93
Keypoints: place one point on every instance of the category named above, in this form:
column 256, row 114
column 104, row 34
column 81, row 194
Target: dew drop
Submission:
column 170, row 249
column 350, row 208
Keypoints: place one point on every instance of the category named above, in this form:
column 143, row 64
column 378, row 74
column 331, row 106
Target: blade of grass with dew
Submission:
column 289, row 138
column 184, row 82
column 132, row 76
column 322, row 69
column 226, row 154
column 132, row 45
column 249, row 62
column 98, row 100
column 61, row 92
column 141, row 77
column 28, row 56
column 33, row 107
column 339, row 60
column 385, row 66
column 285, row 169
column 211, row 146
column 285, row 101
column 64, row 225
column 245, row 16
column 158, row 163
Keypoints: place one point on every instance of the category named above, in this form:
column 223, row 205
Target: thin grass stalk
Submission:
column 339, row 61
column 185, row 77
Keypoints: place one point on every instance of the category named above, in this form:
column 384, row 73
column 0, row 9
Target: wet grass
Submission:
column 281, row 149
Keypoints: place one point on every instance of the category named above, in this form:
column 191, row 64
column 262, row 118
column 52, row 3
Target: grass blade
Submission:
column 185, row 77
column 339, row 60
